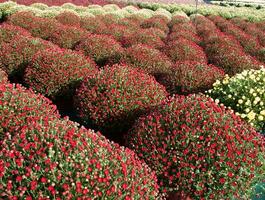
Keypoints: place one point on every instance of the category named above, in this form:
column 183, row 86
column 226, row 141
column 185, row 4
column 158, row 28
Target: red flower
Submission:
column 222, row 180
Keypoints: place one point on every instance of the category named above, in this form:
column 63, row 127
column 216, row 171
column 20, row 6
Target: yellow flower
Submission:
column 262, row 112
column 251, row 115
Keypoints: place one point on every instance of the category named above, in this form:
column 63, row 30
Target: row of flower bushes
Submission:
column 251, row 28
column 250, row 43
column 113, row 98
column 42, row 10
column 250, row 14
column 222, row 49
column 43, row 156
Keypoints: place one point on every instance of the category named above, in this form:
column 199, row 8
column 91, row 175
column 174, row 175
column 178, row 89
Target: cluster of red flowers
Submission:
column 250, row 44
column 201, row 156
column 102, row 48
column 151, row 60
column 116, row 96
column 191, row 77
column 182, row 49
column 68, row 18
column 8, row 32
column 49, row 29
column 43, row 156
column 157, row 21
column 17, row 54
column 223, row 50
column 56, row 71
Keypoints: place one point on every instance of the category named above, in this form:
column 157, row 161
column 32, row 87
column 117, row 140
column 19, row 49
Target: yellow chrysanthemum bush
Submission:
column 244, row 93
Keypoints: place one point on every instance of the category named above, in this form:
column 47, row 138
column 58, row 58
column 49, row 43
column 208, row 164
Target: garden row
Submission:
column 128, row 47
column 215, row 155
column 44, row 156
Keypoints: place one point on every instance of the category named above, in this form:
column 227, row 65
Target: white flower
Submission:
column 217, row 101
column 251, row 115
column 260, row 118
column 240, row 101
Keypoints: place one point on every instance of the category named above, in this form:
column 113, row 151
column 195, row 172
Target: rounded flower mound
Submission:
column 116, row 96
column 15, row 56
column 3, row 76
column 191, row 77
column 93, row 24
column 68, row 18
column 244, row 93
column 22, row 106
column 54, row 72
column 54, row 159
column 101, row 48
column 198, row 148
column 8, row 32
column 155, row 22
column 143, row 36
column 67, row 36
column 183, row 50
column 151, row 60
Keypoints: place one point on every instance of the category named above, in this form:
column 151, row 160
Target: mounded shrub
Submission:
column 16, row 55
column 21, row 107
column 183, row 50
column 56, row 159
column 67, row 36
column 155, row 22
column 93, row 24
column 118, row 31
column 8, row 32
column 143, row 36
column 3, row 76
column 150, row 60
column 116, row 96
column 183, row 34
column 57, row 72
column 198, row 148
column 244, row 93
column 101, row 48
column 37, row 26
column 178, row 19
column 68, row 18
column 192, row 77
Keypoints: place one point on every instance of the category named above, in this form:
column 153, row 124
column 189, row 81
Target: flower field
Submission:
column 131, row 101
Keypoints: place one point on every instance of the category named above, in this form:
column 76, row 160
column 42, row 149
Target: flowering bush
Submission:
column 68, row 18
column 178, row 19
column 20, row 106
column 183, row 49
column 8, row 32
column 191, row 77
column 102, row 48
column 245, row 94
column 198, row 148
column 37, row 26
column 148, row 59
column 92, row 24
column 143, row 36
column 155, row 22
column 184, row 34
column 54, row 158
column 116, row 96
column 3, row 76
column 57, row 72
column 16, row 55
column 40, row 6
column 67, row 36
